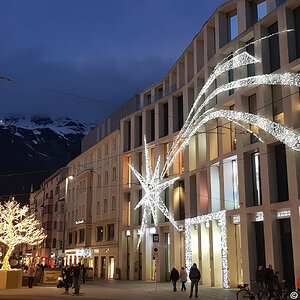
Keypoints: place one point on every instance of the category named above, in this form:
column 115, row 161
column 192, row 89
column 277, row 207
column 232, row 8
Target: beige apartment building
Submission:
column 224, row 166
column 92, row 207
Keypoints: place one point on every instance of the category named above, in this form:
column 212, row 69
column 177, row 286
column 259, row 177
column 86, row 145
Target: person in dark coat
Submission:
column 83, row 273
column 259, row 276
column 76, row 277
column 174, row 276
column 269, row 277
column 195, row 277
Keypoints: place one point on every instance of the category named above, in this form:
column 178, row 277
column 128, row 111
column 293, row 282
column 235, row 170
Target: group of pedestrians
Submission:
column 74, row 276
column 267, row 278
column 194, row 275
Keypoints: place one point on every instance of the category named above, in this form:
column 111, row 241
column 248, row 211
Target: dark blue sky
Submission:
column 107, row 50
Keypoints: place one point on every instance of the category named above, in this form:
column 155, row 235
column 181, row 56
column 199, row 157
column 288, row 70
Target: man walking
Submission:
column 174, row 276
column 76, row 277
column 195, row 278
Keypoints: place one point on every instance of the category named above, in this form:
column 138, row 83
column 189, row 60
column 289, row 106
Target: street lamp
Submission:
column 64, row 223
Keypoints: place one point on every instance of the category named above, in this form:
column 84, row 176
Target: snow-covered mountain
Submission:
column 38, row 145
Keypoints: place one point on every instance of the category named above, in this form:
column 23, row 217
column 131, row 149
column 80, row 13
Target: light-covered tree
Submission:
column 18, row 227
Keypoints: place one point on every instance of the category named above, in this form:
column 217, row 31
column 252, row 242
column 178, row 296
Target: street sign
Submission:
column 155, row 251
column 155, row 238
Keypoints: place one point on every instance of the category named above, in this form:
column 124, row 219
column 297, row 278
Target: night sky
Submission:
column 105, row 50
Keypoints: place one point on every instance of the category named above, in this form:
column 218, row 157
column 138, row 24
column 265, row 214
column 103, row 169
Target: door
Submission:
column 103, row 266
column 96, row 266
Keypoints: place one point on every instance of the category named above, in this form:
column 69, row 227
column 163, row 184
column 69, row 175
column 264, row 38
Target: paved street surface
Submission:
column 113, row 289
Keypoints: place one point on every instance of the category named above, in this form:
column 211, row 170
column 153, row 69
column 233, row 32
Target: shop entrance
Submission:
column 103, row 266
column 111, row 267
column 96, row 266
column 287, row 253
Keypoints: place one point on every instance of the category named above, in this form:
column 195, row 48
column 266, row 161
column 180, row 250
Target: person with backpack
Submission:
column 195, row 277
column 174, row 276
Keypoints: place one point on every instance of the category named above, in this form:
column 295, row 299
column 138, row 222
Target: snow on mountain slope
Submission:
column 61, row 126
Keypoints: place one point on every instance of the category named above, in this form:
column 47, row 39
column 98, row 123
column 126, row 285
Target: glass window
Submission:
column 100, row 234
column 110, row 232
column 81, row 235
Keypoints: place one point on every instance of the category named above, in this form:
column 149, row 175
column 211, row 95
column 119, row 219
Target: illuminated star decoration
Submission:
column 199, row 115
column 153, row 186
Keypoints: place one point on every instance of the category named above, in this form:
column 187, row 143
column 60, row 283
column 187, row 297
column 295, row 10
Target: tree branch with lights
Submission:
column 18, row 227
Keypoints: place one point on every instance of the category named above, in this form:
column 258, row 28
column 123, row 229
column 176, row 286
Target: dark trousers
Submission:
column 183, row 288
column 174, row 286
column 30, row 281
column 76, row 285
column 194, row 283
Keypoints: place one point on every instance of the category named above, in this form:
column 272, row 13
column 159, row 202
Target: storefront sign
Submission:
column 79, row 222
column 51, row 276
column 86, row 252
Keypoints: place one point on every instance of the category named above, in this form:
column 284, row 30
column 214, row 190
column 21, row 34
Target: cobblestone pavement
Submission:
column 112, row 289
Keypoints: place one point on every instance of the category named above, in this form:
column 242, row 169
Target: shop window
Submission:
column 100, row 233
column 110, row 232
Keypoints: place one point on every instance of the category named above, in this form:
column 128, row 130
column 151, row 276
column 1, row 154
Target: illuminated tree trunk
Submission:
column 6, row 265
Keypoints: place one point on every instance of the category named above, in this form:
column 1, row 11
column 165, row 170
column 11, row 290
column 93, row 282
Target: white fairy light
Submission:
column 153, row 183
column 219, row 216
column 17, row 227
column 153, row 187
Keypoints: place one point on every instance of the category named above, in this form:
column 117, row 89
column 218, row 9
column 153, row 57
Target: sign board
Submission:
column 155, row 251
column 51, row 276
column 155, row 237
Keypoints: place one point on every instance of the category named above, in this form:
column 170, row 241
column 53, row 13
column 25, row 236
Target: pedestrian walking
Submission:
column 174, row 276
column 195, row 277
column 30, row 274
column 83, row 273
column 76, row 277
column 183, row 278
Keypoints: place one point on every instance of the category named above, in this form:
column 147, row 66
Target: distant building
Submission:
column 92, row 207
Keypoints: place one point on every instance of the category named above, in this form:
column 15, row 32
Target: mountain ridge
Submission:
column 38, row 146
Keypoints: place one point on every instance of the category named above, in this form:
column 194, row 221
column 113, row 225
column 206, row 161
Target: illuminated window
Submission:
column 110, row 232
column 100, row 232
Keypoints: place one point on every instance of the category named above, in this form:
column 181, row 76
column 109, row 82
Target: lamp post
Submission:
column 64, row 222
